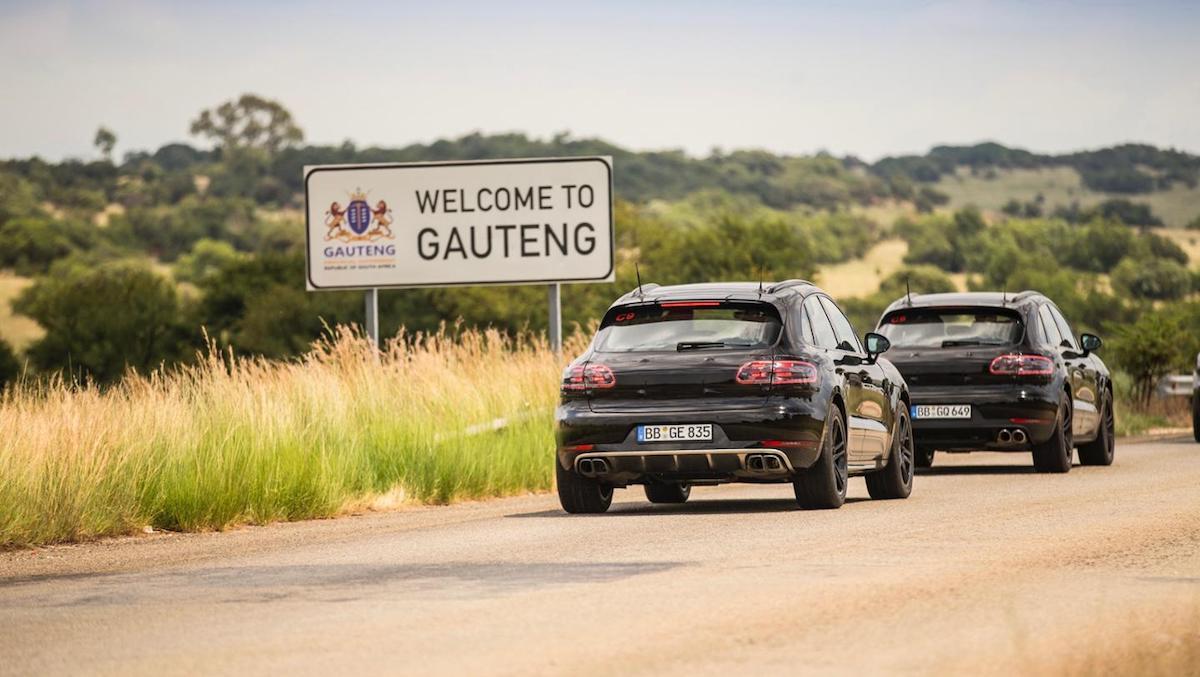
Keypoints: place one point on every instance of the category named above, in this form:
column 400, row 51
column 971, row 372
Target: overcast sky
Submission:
column 866, row 78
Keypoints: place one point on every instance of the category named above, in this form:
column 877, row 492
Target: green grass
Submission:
column 1136, row 418
column 231, row 442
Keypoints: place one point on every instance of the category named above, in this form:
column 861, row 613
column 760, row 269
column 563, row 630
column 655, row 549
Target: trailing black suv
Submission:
column 1001, row 372
column 702, row 384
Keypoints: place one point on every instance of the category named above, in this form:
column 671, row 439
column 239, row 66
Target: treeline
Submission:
column 1128, row 168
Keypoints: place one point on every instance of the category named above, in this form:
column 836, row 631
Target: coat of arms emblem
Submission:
column 358, row 221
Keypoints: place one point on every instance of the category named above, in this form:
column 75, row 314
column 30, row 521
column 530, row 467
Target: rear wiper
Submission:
column 699, row 345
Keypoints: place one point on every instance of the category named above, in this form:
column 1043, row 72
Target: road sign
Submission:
column 493, row 222
column 459, row 223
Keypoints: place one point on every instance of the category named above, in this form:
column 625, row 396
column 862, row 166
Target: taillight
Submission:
column 777, row 372
column 586, row 378
column 1022, row 365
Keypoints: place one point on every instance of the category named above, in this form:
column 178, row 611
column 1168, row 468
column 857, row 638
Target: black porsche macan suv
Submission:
column 1001, row 372
column 739, row 382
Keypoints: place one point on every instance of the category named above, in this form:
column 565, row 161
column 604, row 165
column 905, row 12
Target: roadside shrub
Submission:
column 102, row 320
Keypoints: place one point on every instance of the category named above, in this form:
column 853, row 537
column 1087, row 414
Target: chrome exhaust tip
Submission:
column 599, row 466
column 585, row 466
column 772, row 463
column 1020, row 437
column 1004, row 436
column 755, row 462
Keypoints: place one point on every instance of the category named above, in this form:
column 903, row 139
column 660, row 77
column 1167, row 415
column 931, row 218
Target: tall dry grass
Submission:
column 237, row 440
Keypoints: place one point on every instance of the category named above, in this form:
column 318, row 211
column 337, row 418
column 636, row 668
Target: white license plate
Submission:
column 690, row 432
column 941, row 411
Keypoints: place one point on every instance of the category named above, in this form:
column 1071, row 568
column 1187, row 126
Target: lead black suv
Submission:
column 702, row 384
column 1001, row 372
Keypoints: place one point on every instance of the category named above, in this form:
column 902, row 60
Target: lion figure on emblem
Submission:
column 383, row 219
column 334, row 219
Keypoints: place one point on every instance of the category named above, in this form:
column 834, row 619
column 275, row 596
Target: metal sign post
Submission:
column 556, row 318
column 373, row 316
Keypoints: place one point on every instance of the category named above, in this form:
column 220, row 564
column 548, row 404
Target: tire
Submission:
column 923, row 457
column 896, row 478
column 1101, row 450
column 1054, row 455
column 579, row 494
column 823, row 486
column 675, row 492
column 1196, row 417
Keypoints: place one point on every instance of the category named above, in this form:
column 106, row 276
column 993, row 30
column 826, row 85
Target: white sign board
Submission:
column 459, row 223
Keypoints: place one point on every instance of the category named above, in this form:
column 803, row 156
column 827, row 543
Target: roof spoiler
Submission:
column 786, row 284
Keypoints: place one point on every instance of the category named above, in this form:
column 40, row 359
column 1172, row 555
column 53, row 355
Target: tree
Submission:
column 105, row 141
column 29, row 245
column 1147, row 350
column 1155, row 279
column 250, row 122
column 17, row 197
column 101, row 320
column 207, row 259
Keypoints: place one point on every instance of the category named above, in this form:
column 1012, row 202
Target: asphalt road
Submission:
column 988, row 567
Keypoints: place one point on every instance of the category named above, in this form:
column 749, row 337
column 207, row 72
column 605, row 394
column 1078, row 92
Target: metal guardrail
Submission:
column 1175, row 385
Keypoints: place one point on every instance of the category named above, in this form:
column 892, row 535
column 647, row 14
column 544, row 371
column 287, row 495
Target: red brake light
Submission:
column 1022, row 365
column 586, row 378
column 777, row 372
column 690, row 304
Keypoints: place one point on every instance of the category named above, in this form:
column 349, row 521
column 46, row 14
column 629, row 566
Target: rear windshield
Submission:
column 952, row 327
column 698, row 325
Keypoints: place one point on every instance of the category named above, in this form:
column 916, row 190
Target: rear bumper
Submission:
column 1031, row 409
column 738, row 436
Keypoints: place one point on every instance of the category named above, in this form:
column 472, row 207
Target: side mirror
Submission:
column 876, row 344
column 1090, row 343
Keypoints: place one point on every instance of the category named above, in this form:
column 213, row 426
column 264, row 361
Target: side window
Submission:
column 1049, row 327
column 806, row 327
column 841, row 326
column 1063, row 328
column 821, row 329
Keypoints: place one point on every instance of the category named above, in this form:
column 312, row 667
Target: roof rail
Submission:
column 786, row 284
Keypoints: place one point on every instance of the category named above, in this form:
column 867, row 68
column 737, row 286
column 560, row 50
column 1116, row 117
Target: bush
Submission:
column 102, row 320
column 1155, row 279
column 29, row 245
column 1147, row 350
column 1098, row 246
column 207, row 259
column 17, row 198
column 1126, row 211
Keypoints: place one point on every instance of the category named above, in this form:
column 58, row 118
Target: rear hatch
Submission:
column 952, row 346
column 683, row 355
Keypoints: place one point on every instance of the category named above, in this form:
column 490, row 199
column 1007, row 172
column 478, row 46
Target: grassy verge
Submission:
column 233, row 441
column 1137, row 418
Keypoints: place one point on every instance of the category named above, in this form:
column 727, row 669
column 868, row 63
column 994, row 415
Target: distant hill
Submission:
column 989, row 175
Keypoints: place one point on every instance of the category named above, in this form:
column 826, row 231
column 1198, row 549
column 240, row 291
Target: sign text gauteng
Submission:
column 425, row 225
